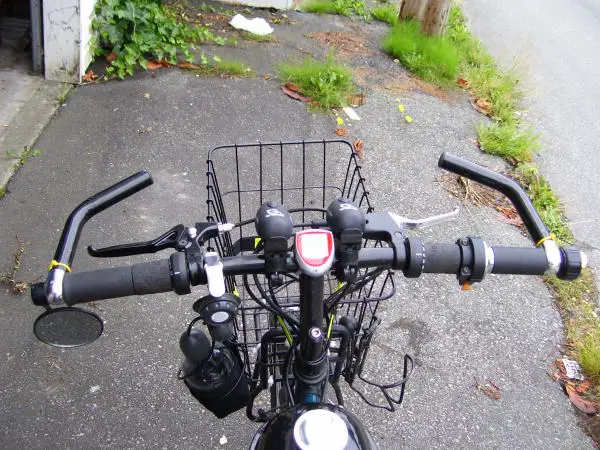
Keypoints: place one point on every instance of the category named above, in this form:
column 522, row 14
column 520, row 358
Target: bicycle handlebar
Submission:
column 532, row 220
column 470, row 259
column 159, row 276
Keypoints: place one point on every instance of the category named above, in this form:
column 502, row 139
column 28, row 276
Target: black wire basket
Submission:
column 303, row 174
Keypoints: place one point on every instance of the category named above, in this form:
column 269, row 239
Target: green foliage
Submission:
column 247, row 36
column 136, row 30
column 545, row 201
column 227, row 67
column 326, row 82
column 433, row 58
column 577, row 304
column 342, row 7
column 387, row 14
column 508, row 141
column 2, row 192
column 589, row 354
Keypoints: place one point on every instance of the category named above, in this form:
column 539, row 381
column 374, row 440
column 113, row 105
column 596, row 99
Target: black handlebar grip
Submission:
column 519, row 261
column 442, row 258
column 145, row 278
column 532, row 220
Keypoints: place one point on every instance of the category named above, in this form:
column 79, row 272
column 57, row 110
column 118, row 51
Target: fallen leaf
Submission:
column 295, row 95
column 580, row 403
column 292, row 87
column 359, row 146
column 408, row 118
column 489, row 389
column 188, row 66
column 356, row 100
column 111, row 57
column 583, row 387
column 341, row 131
column 89, row 76
column 267, row 76
column 154, row 65
column 339, row 121
column 147, row 95
column 482, row 106
column 401, row 107
column 462, row 83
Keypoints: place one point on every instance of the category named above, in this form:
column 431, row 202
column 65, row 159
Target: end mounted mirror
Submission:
column 68, row 327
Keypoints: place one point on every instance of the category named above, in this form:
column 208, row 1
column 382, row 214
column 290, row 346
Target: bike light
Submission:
column 218, row 314
column 314, row 251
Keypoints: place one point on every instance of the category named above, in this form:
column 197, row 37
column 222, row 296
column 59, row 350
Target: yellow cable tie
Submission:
column 330, row 326
column 54, row 263
column 550, row 237
column 285, row 329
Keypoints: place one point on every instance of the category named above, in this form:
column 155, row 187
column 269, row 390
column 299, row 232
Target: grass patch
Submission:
column 432, row 58
column 387, row 14
column 345, row 8
column 224, row 67
column 508, row 141
column 326, row 82
column 247, row 36
column 582, row 325
column 2, row 192
column 545, row 201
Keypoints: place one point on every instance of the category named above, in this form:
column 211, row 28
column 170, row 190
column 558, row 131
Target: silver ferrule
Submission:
column 584, row 260
column 54, row 286
column 552, row 255
column 490, row 258
column 224, row 227
column 192, row 232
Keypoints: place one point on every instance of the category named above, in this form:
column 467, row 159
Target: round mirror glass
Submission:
column 68, row 327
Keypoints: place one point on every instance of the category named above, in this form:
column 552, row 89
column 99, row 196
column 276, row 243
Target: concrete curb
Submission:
column 24, row 130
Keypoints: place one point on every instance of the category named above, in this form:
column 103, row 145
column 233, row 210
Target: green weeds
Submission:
column 434, row 59
column 387, row 14
column 326, row 82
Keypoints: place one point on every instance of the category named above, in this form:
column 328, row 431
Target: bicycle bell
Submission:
column 218, row 314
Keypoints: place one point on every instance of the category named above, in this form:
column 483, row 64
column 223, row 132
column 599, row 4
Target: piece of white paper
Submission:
column 351, row 113
column 258, row 25
column 573, row 370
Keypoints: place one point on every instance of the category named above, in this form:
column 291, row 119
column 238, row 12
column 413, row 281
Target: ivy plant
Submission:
column 130, row 32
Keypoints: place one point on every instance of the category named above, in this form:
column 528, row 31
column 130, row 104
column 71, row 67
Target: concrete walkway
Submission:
column 122, row 391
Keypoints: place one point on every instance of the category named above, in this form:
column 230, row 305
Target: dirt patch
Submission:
column 346, row 44
column 396, row 84
column 480, row 195
column 406, row 84
column 365, row 75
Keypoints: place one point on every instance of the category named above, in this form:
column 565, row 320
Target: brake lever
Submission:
column 175, row 238
column 411, row 224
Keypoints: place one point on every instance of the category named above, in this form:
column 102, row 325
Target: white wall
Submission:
column 85, row 52
column 67, row 31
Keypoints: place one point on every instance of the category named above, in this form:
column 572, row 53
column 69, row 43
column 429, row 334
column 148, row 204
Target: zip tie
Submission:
column 54, row 263
column 550, row 237
column 285, row 329
column 332, row 317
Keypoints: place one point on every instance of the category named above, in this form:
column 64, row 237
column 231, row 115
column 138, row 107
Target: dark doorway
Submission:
column 21, row 34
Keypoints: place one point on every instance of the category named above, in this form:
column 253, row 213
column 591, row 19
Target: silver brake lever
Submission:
column 411, row 224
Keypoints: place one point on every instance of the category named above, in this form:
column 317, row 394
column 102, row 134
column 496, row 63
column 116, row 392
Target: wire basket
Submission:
column 304, row 174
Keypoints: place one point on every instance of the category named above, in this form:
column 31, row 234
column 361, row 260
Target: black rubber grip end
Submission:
column 442, row 161
column 38, row 294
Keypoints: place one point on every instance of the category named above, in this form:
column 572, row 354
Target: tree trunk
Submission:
column 436, row 17
column 412, row 9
